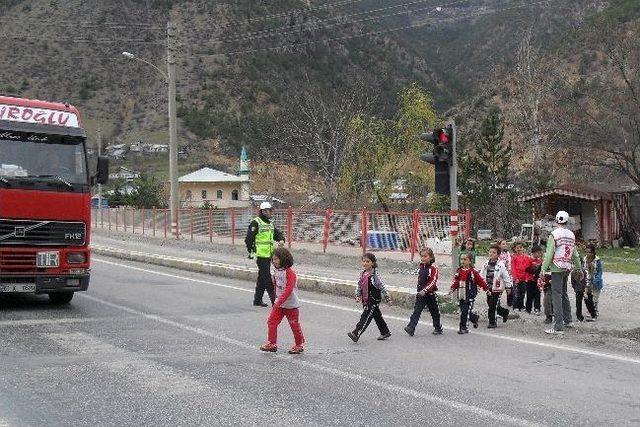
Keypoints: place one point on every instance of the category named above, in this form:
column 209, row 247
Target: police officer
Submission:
column 261, row 236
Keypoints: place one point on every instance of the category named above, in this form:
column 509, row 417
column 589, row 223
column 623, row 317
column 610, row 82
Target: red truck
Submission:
column 45, row 196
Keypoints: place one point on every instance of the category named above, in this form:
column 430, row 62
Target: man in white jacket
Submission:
column 560, row 258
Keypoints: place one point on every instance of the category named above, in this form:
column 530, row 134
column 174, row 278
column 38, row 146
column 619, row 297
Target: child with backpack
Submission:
column 593, row 268
column 286, row 303
column 466, row 282
column 426, row 295
column 370, row 292
column 495, row 274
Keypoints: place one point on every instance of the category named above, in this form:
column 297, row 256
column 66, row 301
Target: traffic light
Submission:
column 440, row 156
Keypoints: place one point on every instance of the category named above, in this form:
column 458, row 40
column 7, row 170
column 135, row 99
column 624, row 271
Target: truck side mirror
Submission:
column 102, row 173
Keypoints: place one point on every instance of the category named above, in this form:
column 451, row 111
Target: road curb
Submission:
column 400, row 296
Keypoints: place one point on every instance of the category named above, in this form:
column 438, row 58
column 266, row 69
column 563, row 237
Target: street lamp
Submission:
column 170, row 78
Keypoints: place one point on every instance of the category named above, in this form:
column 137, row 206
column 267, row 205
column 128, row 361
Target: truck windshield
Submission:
column 43, row 165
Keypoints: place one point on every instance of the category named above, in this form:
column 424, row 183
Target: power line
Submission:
column 373, row 33
column 286, row 14
column 320, row 25
column 76, row 24
column 335, row 18
column 81, row 40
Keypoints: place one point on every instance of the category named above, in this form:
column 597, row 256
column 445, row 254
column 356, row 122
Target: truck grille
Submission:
column 49, row 233
column 18, row 262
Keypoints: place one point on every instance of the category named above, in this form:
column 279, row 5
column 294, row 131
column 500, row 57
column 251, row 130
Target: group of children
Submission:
column 517, row 274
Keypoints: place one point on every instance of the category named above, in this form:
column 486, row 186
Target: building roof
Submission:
column 212, row 175
column 575, row 191
column 265, row 198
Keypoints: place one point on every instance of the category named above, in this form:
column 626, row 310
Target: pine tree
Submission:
column 486, row 187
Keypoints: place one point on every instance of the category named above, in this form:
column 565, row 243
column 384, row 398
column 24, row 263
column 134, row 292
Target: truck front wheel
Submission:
column 60, row 298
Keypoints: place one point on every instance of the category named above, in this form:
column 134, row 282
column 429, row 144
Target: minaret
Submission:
column 245, row 186
column 244, row 162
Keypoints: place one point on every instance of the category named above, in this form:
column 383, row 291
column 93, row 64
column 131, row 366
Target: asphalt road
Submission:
column 154, row 346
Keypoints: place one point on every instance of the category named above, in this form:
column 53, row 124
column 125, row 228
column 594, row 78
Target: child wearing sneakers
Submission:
column 426, row 296
column 495, row 273
column 286, row 303
column 506, row 258
column 533, row 293
column 520, row 263
column 370, row 292
column 466, row 282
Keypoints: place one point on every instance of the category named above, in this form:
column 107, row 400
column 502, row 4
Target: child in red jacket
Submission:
column 466, row 282
column 426, row 293
column 519, row 264
column 286, row 303
column 533, row 293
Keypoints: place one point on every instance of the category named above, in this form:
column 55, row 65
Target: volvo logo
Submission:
column 19, row 231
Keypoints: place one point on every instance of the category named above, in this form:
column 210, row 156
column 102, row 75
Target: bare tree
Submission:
column 603, row 109
column 313, row 131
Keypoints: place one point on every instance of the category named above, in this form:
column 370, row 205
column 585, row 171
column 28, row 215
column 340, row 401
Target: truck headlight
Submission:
column 76, row 257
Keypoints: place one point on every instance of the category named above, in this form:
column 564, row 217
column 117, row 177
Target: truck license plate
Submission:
column 48, row 259
column 18, row 287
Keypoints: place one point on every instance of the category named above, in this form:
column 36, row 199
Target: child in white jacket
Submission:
column 497, row 276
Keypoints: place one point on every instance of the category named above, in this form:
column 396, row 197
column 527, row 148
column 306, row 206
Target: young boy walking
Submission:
column 498, row 280
column 426, row 296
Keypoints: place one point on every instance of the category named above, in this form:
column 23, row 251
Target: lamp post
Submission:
column 170, row 79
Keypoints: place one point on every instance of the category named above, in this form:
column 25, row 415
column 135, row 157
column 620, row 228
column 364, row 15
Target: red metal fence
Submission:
column 368, row 230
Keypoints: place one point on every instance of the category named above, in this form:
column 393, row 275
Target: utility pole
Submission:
column 100, row 185
column 173, row 132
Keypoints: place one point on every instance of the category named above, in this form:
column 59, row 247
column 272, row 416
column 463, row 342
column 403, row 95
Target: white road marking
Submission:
column 60, row 321
column 502, row 418
column 153, row 376
column 552, row 345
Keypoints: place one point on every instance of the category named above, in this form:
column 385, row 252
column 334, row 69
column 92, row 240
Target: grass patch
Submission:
column 620, row 260
column 447, row 306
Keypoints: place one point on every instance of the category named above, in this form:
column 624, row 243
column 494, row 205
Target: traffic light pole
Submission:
column 453, row 187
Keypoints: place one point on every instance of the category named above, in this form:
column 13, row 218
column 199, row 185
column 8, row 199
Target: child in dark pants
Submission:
column 533, row 293
column 520, row 263
column 426, row 296
column 495, row 273
column 370, row 292
column 466, row 282
column 507, row 258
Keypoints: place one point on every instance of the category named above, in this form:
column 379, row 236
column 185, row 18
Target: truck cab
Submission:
column 45, row 199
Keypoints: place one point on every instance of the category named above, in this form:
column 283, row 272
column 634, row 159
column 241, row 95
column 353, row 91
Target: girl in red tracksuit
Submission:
column 466, row 282
column 286, row 303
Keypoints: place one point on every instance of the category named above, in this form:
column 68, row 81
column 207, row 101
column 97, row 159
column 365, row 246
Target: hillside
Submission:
column 241, row 63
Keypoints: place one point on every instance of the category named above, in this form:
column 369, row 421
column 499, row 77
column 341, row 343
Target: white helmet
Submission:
column 562, row 217
column 265, row 205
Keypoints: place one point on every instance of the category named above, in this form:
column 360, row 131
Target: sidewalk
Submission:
column 344, row 266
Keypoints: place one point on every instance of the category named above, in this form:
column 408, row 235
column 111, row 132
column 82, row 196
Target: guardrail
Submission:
column 404, row 232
